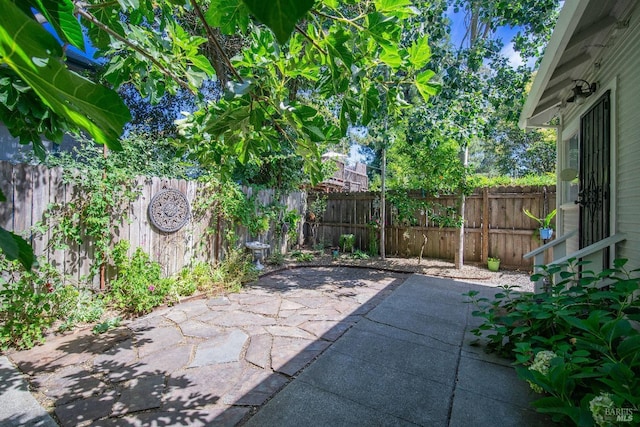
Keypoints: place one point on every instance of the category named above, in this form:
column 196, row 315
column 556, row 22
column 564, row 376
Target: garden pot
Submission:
column 546, row 233
column 493, row 265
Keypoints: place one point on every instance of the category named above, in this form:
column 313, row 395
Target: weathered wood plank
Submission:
column 6, row 185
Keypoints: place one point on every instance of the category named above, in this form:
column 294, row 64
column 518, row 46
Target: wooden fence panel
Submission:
column 494, row 224
column 30, row 189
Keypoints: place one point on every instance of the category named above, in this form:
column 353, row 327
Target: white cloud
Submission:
column 514, row 57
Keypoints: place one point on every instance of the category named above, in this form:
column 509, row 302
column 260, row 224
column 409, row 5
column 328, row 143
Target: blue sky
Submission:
column 504, row 33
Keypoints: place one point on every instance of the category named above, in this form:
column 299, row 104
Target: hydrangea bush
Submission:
column 578, row 345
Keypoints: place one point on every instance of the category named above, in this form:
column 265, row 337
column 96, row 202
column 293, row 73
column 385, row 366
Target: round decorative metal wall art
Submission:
column 169, row 210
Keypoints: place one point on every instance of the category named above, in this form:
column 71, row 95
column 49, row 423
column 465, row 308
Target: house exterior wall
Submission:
column 626, row 64
column 12, row 151
column 616, row 70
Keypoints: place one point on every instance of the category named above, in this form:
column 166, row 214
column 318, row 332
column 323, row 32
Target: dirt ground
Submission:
column 433, row 267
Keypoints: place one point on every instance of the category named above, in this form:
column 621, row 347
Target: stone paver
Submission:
column 206, row 361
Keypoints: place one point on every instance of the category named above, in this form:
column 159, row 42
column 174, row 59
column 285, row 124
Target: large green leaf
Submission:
column 424, row 86
column 399, row 8
column 391, row 56
column 420, row 52
column 15, row 247
column 280, row 16
column 59, row 13
column 228, row 15
column 35, row 56
column 336, row 40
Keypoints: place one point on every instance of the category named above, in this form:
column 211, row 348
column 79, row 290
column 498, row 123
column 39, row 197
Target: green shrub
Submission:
column 29, row 303
column 578, row 344
column 360, row 255
column 347, row 242
column 138, row 286
column 300, row 256
column 196, row 277
column 276, row 258
column 235, row 270
column 81, row 306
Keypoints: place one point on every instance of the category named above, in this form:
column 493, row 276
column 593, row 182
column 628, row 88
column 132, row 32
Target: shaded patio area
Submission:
column 319, row 346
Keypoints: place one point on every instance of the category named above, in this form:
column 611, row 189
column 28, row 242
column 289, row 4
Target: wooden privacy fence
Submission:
column 494, row 224
column 30, row 189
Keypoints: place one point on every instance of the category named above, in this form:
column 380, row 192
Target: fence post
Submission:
column 485, row 224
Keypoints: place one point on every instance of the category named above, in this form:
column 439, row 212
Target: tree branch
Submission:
column 214, row 40
column 89, row 17
column 313, row 42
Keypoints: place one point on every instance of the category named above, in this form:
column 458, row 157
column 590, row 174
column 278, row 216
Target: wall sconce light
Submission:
column 581, row 91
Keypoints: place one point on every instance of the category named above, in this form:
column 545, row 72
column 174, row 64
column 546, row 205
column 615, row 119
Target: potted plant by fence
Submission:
column 545, row 223
column 493, row 264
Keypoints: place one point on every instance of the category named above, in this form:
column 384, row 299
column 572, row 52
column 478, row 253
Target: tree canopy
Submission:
column 482, row 95
column 300, row 58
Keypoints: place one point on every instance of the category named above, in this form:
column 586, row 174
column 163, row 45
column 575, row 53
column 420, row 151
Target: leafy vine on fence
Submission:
column 98, row 195
column 407, row 210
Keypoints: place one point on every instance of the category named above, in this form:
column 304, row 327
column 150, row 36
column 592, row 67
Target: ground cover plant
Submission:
column 32, row 301
column 577, row 345
column 38, row 301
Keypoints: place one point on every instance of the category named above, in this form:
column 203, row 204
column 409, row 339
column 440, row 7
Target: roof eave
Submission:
column 565, row 27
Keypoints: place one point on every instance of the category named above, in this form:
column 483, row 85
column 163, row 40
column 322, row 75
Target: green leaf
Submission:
column 370, row 104
column 383, row 29
column 390, row 56
column 59, row 13
column 630, row 346
column 424, row 86
column 399, row 8
column 280, row 16
column 35, row 56
column 420, row 52
column 336, row 44
column 16, row 248
column 228, row 15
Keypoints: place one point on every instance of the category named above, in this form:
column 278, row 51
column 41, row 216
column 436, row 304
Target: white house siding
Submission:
column 625, row 63
column 619, row 71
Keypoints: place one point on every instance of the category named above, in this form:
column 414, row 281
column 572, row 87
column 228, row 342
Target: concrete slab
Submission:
column 404, row 356
column 301, row 404
column 17, row 406
column 422, row 324
column 409, row 397
column 479, row 410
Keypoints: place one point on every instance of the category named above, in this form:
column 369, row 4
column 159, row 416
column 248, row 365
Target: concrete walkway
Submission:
column 408, row 362
column 322, row 346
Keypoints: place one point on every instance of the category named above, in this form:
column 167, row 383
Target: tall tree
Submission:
column 482, row 92
column 297, row 50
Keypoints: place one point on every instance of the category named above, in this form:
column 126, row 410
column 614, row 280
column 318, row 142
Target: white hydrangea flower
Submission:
column 599, row 406
column 541, row 364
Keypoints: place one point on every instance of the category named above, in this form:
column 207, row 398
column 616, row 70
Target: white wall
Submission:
column 618, row 70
